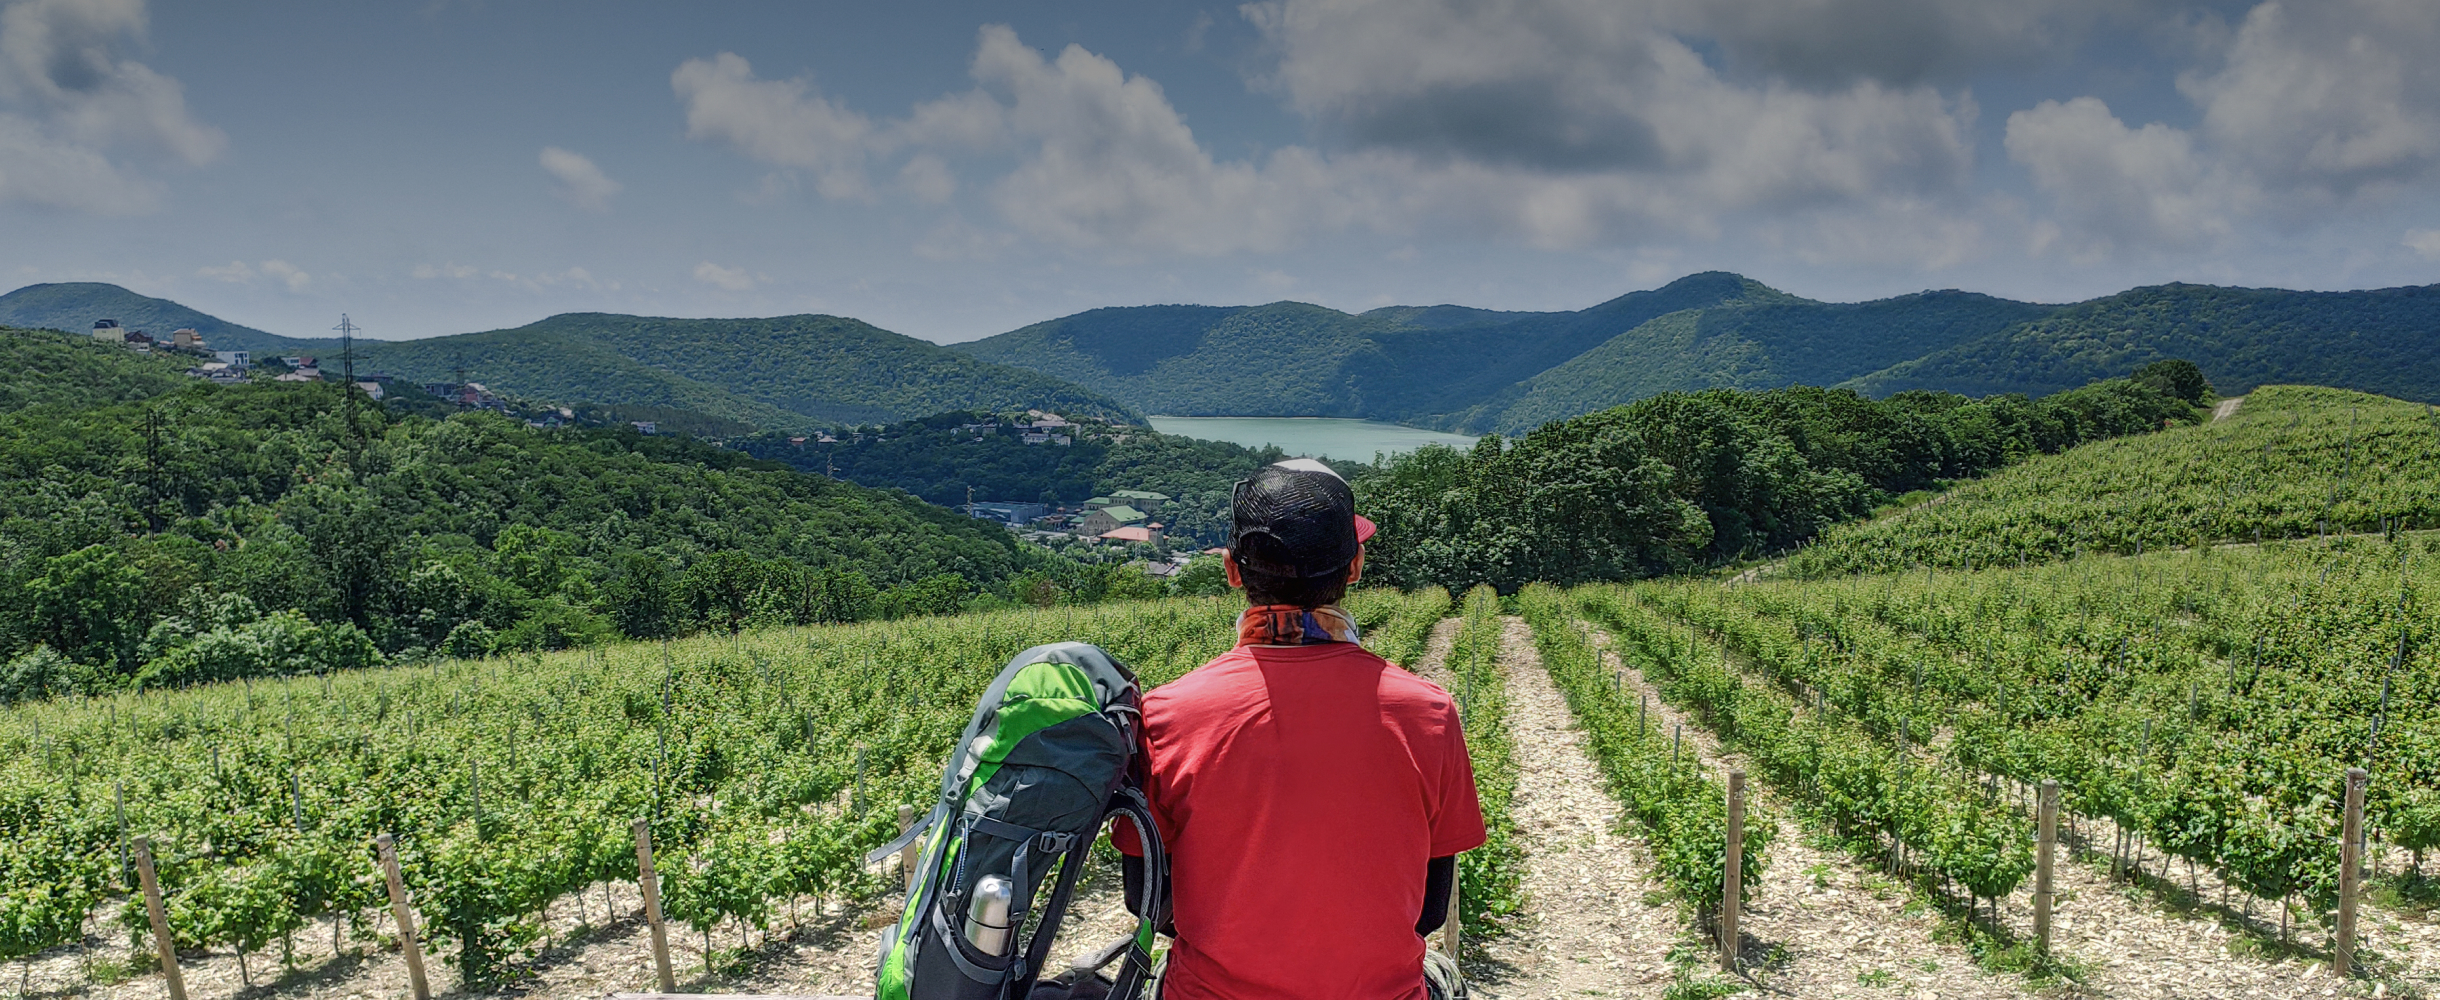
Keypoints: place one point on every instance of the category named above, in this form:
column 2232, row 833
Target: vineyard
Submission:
column 2200, row 706
column 766, row 764
column 2291, row 462
column 2197, row 707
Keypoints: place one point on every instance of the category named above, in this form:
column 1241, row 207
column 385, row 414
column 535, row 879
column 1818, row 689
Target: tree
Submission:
column 89, row 605
column 642, row 598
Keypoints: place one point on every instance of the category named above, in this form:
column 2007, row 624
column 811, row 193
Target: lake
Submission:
column 1335, row 437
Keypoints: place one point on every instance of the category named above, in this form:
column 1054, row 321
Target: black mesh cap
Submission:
column 1295, row 519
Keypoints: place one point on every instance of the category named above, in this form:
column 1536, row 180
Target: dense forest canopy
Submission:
column 130, row 530
column 1683, row 481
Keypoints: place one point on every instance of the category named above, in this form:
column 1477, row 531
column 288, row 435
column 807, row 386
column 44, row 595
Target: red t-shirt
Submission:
column 1300, row 790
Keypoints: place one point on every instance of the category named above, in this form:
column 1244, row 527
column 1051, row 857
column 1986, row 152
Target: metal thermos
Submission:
column 987, row 926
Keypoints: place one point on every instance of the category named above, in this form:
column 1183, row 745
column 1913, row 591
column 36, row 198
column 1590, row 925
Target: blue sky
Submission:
column 953, row 170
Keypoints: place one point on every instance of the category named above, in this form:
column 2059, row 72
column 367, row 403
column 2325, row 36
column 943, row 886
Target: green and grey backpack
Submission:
column 1050, row 755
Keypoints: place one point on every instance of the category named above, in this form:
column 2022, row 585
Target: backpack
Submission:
column 1050, row 754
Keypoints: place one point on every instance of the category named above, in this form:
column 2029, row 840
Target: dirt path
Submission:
column 1587, row 929
column 2227, row 408
column 1825, row 925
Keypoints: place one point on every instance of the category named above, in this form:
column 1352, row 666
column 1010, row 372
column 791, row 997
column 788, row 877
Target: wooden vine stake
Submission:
column 907, row 855
column 2350, row 859
column 649, row 886
column 1732, row 881
column 2046, row 826
column 407, row 945
column 162, row 942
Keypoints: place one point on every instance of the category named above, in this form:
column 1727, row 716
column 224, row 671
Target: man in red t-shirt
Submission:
column 1312, row 795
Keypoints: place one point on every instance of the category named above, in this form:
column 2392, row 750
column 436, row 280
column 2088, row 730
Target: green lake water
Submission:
column 1332, row 437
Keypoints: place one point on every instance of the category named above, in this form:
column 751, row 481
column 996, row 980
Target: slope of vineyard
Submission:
column 2292, row 462
column 2204, row 704
column 766, row 762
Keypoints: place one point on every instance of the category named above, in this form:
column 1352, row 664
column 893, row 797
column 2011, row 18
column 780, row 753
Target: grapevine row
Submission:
column 766, row 763
column 1681, row 808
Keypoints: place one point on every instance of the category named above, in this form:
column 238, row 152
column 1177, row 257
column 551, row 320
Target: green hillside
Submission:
column 46, row 368
column 1686, row 481
column 2291, row 462
column 74, row 305
column 208, row 508
column 782, row 373
column 1750, row 345
column 1477, row 370
column 1402, row 363
column 2381, row 341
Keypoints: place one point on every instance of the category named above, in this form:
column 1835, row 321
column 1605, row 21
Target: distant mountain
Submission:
column 1446, row 366
column 1409, row 364
column 1478, row 370
column 1752, row 343
column 72, row 306
column 783, row 373
column 2384, row 341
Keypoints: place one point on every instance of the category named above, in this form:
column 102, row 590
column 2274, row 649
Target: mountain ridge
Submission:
column 784, row 373
column 1446, row 366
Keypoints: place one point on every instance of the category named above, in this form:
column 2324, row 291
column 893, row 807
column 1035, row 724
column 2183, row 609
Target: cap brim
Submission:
column 1364, row 529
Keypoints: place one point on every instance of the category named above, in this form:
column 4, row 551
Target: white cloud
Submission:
column 2423, row 241
column 1450, row 118
column 1834, row 43
column 928, row 179
column 1589, row 86
column 2329, row 97
column 732, row 279
column 287, row 274
column 235, row 272
column 782, row 122
column 241, row 273
column 580, row 183
column 2136, row 186
column 67, row 102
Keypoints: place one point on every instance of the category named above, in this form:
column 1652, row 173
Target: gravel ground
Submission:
column 1823, row 924
column 1593, row 924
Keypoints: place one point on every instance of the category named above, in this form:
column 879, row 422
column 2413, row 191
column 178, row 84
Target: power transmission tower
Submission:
column 347, row 370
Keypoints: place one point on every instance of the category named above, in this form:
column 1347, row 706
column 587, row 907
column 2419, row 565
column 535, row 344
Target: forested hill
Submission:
column 46, row 368
column 72, row 306
column 1478, row 370
column 783, row 373
column 213, row 532
column 1686, row 481
column 2384, row 341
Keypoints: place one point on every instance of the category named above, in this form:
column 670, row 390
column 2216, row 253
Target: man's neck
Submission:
column 1289, row 625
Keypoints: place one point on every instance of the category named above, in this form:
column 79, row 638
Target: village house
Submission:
column 1012, row 514
column 1109, row 519
column 1140, row 499
column 1149, row 534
